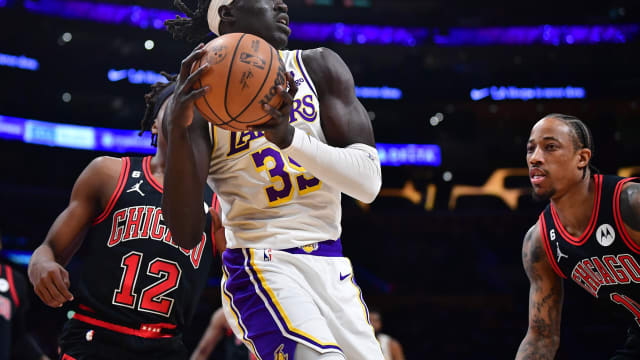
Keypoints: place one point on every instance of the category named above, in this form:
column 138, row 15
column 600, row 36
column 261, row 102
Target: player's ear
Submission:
column 154, row 128
column 226, row 14
column 584, row 156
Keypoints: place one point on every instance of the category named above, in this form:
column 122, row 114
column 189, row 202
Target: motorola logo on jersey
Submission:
column 146, row 222
column 4, row 285
column 605, row 235
column 592, row 273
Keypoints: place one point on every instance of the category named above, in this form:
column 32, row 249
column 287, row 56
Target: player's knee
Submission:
column 306, row 353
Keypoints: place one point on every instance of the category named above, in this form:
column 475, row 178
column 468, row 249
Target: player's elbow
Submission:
column 188, row 241
column 184, row 232
column 369, row 191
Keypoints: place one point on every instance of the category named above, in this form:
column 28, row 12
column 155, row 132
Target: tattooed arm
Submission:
column 630, row 209
column 545, row 301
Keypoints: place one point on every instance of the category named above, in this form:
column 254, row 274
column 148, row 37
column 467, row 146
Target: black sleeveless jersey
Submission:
column 134, row 276
column 604, row 261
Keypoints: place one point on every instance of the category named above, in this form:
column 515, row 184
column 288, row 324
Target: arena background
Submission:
column 471, row 77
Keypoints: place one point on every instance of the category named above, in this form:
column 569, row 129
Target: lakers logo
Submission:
column 310, row 248
column 279, row 353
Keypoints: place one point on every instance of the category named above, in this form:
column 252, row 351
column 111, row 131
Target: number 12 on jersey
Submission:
column 152, row 298
column 278, row 173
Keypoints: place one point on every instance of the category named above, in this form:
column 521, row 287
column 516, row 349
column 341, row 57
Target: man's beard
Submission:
column 544, row 197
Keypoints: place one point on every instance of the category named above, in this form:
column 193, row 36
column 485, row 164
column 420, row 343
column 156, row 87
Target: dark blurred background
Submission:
column 446, row 275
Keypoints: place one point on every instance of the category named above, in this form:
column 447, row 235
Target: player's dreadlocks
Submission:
column 582, row 138
column 192, row 28
column 160, row 91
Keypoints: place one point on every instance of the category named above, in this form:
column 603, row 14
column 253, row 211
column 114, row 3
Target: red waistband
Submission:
column 148, row 331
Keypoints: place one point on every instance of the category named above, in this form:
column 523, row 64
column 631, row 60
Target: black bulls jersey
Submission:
column 604, row 261
column 133, row 274
column 11, row 293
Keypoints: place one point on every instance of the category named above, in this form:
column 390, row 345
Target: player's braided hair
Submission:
column 153, row 101
column 582, row 138
column 192, row 28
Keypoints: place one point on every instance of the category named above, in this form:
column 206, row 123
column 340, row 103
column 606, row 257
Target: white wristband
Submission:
column 354, row 170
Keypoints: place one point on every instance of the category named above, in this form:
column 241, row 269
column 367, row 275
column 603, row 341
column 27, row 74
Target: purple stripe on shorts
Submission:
column 366, row 309
column 280, row 317
column 261, row 328
column 328, row 248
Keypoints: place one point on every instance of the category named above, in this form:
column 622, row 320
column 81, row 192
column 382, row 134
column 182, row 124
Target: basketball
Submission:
column 244, row 71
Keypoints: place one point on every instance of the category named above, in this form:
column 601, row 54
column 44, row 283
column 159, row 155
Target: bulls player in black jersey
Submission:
column 220, row 331
column 15, row 341
column 589, row 233
column 137, row 288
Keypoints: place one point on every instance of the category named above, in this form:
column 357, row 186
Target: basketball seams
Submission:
column 251, row 106
column 229, row 72
column 277, row 106
column 259, row 90
column 220, row 121
column 206, row 101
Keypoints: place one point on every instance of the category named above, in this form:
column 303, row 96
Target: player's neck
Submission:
column 156, row 165
column 575, row 206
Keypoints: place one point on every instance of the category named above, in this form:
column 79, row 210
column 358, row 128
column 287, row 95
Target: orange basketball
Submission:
column 243, row 74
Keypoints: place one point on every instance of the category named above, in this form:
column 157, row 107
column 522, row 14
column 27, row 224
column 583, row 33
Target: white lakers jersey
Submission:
column 269, row 200
column 385, row 345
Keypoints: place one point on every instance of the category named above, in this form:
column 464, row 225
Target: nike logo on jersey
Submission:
column 136, row 187
column 344, row 277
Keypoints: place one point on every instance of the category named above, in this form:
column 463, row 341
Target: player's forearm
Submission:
column 538, row 347
column 354, row 170
column 200, row 354
column 43, row 253
column 206, row 345
column 182, row 200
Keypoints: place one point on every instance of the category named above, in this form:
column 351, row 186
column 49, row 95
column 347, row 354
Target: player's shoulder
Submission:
column 103, row 164
column 327, row 69
column 630, row 204
column 632, row 186
column 532, row 246
column 533, row 234
column 321, row 58
column 319, row 53
column 101, row 172
column 102, row 168
column 534, row 256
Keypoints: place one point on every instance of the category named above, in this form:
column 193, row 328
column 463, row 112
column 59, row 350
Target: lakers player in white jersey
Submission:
column 391, row 348
column 287, row 290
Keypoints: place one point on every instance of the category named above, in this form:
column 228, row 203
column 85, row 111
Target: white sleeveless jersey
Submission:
column 269, row 200
column 385, row 345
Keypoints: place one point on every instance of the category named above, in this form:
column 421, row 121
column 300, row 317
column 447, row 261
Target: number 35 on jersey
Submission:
column 286, row 176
